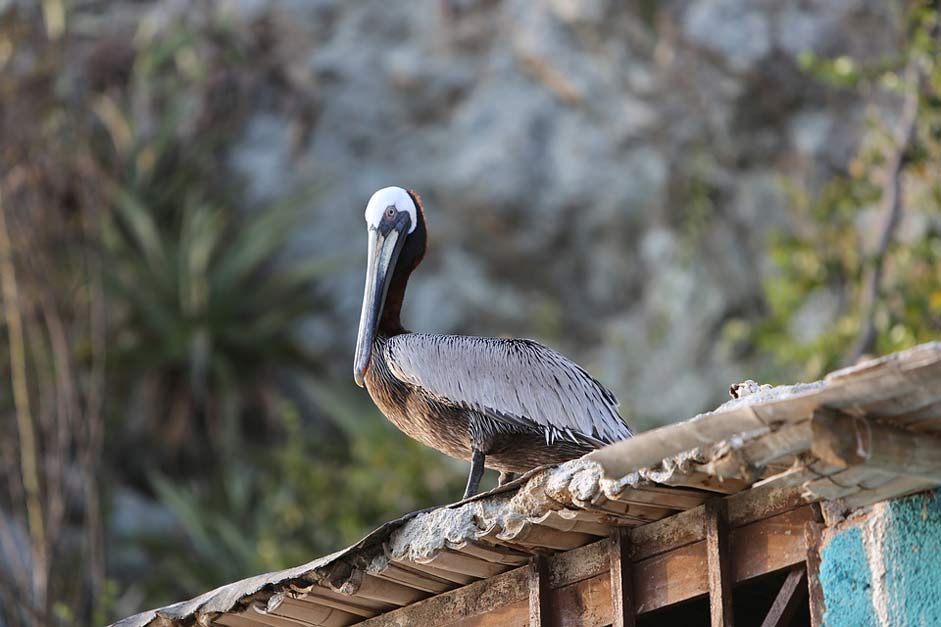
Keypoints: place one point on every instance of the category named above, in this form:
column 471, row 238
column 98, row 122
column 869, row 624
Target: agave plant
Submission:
column 206, row 316
column 204, row 299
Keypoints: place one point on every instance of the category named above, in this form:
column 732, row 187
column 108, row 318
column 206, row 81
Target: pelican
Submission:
column 506, row 404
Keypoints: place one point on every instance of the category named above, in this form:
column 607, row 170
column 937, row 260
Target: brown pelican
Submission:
column 511, row 405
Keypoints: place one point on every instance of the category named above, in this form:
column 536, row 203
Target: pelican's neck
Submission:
column 391, row 322
column 412, row 253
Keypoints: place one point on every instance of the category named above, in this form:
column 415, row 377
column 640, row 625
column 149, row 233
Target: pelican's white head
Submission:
column 394, row 197
column 391, row 217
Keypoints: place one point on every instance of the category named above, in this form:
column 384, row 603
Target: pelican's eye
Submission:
column 390, row 212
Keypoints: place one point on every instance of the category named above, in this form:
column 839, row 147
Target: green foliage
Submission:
column 205, row 299
column 832, row 248
column 201, row 312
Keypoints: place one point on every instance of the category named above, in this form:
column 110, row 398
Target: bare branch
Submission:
column 24, row 420
column 91, row 451
column 891, row 211
column 9, row 590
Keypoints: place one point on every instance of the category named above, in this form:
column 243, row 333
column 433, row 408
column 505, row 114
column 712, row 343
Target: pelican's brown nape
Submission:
column 511, row 405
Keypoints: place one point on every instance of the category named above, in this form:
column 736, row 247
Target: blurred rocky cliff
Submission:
column 601, row 177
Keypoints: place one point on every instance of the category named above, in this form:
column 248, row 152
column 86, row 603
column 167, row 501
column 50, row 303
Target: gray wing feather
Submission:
column 518, row 381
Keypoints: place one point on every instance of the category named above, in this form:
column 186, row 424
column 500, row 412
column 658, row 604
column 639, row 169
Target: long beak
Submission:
column 383, row 250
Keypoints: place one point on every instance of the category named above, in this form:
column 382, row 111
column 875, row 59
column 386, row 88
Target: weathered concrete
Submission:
column 885, row 568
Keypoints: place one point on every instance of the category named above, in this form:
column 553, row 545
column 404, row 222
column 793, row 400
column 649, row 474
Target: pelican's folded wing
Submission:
column 518, row 381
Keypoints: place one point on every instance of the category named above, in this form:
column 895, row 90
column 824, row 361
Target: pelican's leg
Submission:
column 506, row 477
column 476, row 472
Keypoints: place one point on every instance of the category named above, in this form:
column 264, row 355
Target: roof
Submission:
column 846, row 439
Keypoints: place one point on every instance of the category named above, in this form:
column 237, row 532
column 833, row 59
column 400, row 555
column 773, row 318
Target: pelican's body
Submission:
column 457, row 428
column 511, row 405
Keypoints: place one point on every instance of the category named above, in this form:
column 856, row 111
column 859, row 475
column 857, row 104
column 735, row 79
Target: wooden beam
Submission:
column 792, row 593
column 622, row 582
column 743, row 460
column 813, row 540
column 719, row 565
column 650, row 448
column 538, row 591
column 844, row 441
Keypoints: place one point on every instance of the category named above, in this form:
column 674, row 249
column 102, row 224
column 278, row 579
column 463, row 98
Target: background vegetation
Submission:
column 157, row 404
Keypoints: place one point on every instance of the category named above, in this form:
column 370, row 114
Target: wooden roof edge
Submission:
column 752, row 413
column 743, row 433
column 199, row 610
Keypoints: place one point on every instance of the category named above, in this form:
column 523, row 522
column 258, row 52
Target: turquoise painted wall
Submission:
column 886, row 570
column 847, row 584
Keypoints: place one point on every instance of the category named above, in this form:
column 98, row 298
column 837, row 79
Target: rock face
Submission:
column 599, row 177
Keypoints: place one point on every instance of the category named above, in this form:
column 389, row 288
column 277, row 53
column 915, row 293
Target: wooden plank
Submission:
column 567, row 521
column 581, row 563
column 846, row 441
column 475, row 599
column 899, row 486
column 538, row 592
column 400, row 573
column 792, row 593
column 674, row 498
column 315, row 613
column 622, row 584
column 875, row 481
column 893, row 379
column 843, row 483
column 757, row 549
column 490, row 552
column 701, row 480
column 325, row 617
column 636, row 511
column 795, row 476
column 540, row 537
column 440, row 573
column 586, row 603
column 689, row 526
column 718, row 561
column 576, row 604
column 770, row 545
column 923, row 400
column 745, row 459
column 762, row 502
column 813, row 540
column 355, row 605
column 386, row 591
column 669, row 578
column 932, row 425
column 650, row 448
column 465, row 564
column 231, row 619
column 512, row 615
